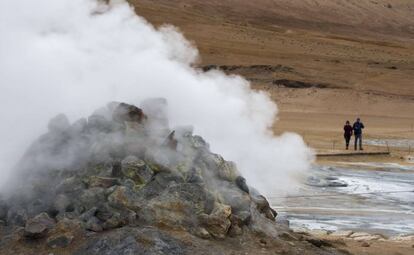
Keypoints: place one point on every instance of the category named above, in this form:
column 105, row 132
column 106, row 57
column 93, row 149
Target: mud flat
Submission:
column 342, row 198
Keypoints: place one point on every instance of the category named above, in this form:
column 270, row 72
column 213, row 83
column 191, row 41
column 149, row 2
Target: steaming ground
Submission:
column 73, row 56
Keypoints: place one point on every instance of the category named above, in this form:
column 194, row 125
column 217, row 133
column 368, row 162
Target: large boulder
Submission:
column 124, row 197
column 38, row 226
column 178, row 206
column 136, row 169
column 218, row 222
column 263, row 207
column 63, row 233
column 126, row 112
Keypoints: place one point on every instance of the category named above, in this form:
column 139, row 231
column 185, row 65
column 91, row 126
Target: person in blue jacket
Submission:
column 358, row 126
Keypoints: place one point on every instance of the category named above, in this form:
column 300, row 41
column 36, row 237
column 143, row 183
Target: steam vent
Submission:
column 123, row 182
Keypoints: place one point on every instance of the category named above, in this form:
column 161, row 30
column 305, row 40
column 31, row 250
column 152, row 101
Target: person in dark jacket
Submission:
column 358, row 126
column 347, row 133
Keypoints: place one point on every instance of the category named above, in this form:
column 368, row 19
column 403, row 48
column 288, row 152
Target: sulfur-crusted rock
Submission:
column 218, row 222
column 91, row 197
column 136, row 169
column 123, row 197
column 177, row 206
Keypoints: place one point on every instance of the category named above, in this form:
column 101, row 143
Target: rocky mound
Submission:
column 123, row 182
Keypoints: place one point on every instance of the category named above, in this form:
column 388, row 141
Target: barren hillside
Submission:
column 322, row 61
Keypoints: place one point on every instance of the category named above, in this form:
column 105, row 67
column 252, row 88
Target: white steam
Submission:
column 74, row 56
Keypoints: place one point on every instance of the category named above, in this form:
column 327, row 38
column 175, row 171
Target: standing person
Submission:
column 358, row 126
column 347, row 133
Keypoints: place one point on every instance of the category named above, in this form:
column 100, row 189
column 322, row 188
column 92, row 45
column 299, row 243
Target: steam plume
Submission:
column 73, row 56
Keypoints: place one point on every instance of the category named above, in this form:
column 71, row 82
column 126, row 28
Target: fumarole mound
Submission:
column 123, row 182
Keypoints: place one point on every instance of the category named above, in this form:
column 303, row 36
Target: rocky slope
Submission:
column 123, row 182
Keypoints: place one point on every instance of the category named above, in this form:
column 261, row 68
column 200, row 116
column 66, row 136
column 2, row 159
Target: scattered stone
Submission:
column 123, row 197
column 137, row 170
column 91, row 197
column 202, row 233
column 102, row 182
column 38, row 226
column 260, row 225
column 218, row 222
column 264, row 207
column 94, row 225
column 59, row 241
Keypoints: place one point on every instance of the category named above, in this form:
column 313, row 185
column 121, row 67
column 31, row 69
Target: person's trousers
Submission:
column 358, row 138
column 347, row 139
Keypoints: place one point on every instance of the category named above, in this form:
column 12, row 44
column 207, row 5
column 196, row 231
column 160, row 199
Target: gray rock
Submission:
column 238, row 200
column 241, row 183
column 136, row 170
column 263, row 207
column 88, row 214
column 218, row 222
column 176, row 206
column 102, row 182
column 128, row 113
column 91, row 197
column 94, row 224
column 38, row 226
column 131, row 241
column 260, row 225
column 123, row 197
column 60, row 240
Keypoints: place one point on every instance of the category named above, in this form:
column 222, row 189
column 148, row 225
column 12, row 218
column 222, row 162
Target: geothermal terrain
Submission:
column 353, row 58
column 324, row 62
column 123, row 181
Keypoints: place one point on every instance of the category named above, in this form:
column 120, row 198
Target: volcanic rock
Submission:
column 218, row 222
column 110, row 184
column 38, row 226
column 127, row 112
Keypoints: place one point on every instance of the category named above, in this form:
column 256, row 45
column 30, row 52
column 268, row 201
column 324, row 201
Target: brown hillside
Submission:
column 351, row 58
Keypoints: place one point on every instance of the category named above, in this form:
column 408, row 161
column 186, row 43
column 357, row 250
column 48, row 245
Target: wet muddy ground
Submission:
column 353, row 198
